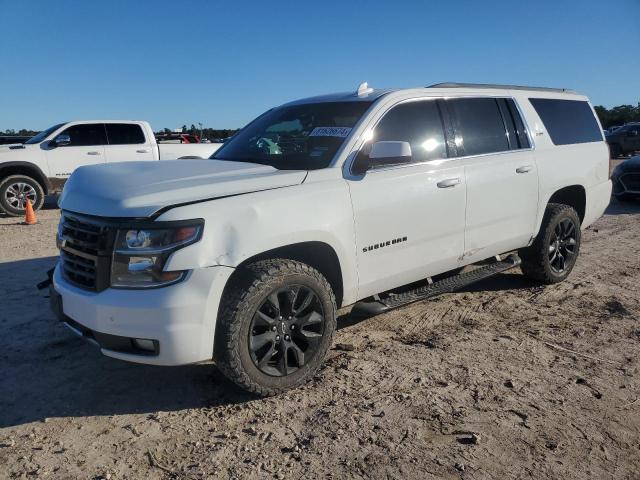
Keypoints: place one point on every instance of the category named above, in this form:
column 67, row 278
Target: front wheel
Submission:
column 276, row 324
column 15, row 190
column 554, row 251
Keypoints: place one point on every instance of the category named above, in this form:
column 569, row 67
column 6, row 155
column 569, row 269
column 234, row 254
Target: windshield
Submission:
column 43, row 134
column 297, row 137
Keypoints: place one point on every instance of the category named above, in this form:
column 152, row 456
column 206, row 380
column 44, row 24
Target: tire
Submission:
column 252, row 331
column 558, row 238
column 615, row 150
column 13, row 193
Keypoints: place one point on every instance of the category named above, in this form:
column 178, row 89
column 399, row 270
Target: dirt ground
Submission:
column 506, row 379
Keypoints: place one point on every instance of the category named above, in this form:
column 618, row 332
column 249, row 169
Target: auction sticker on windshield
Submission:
column 330, row 132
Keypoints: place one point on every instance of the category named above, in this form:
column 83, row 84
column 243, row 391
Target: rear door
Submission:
column 501, row 175
column 409, row 218
column 85, row 148
column 127, row 142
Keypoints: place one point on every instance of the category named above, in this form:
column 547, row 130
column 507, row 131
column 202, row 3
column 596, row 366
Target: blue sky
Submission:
column 223, row 63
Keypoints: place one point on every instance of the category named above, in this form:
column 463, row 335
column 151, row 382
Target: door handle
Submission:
column 143, row 150
column 524, row 169
column 93, row 153
column 449, row 182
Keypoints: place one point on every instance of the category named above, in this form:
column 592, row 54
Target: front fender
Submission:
column 238, row 228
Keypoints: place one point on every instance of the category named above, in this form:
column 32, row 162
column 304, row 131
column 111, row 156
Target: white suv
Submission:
column 322, row 203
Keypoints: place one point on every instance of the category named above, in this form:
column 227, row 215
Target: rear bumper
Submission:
column 598, row 198
column 179, row 319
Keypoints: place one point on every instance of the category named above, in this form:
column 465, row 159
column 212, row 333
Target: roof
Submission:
column 371, row 95
column 499, row 87
column 344, row 97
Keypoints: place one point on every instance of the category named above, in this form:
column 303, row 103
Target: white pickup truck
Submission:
column 42, row 164
column 376, row 198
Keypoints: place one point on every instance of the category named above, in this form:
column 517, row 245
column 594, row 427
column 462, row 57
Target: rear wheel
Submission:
column 553, row 253
column 15, row 190
column 276, row 324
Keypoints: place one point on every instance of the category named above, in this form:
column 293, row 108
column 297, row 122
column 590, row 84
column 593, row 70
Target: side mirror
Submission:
column 62, row 140
column 382, row 154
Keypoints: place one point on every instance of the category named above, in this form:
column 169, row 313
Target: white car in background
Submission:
column 43, row 163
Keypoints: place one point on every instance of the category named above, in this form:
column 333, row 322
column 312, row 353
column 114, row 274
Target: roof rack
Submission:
column 506, row 87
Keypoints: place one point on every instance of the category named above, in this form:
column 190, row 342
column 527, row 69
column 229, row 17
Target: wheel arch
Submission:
column 574, row 196
column 28, row 169
column 319, row 255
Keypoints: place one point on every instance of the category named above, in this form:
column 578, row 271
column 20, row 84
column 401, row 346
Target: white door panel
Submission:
column 128, row 142
column 128, row 153
column 502, row 203
column 84, row 146
column 407, row 227
column 64, row 160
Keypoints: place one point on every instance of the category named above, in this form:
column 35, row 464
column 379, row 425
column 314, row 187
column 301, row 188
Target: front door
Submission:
column 86, row 147
column 409, row 218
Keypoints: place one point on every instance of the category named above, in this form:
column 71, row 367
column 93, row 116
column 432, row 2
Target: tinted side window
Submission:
column 516, row 132
column 521, row 131
column 86, row 135
column 478, row 125
column 416, row 122
column 567, row 121
column 124, row 134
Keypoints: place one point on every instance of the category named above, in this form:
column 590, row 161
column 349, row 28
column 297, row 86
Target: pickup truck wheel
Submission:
column 553, row 253
column 276, row 324
column 14, row 192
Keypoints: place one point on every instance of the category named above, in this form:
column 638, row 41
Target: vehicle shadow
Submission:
column 616, row 207
column 47, row 372
column 496, row 283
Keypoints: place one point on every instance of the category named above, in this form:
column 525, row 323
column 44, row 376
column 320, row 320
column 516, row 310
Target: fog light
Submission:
column 143, row 344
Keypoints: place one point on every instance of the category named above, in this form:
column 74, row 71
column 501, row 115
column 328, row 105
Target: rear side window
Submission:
column 124, row 134
column 479, row 127
column 567, row 121
column 516, row 132
column 86, row 135
column 418, row 123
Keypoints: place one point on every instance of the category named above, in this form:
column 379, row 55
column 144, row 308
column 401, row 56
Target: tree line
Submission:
column 618, row 115
column 609, row 117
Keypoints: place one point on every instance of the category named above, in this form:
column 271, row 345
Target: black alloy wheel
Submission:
column 562, row 245
column 286, row 330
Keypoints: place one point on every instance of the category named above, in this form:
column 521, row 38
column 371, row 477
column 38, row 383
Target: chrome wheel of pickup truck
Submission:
column 275, row 325
column 286, row 330
column 16, row 190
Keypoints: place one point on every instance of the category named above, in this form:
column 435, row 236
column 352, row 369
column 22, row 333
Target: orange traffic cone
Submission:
column 29, row 214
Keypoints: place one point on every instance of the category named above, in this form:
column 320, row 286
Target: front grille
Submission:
column 631, row 181
column 86, row 245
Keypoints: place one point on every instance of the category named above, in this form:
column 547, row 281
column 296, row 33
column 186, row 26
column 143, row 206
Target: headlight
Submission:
column 141, row 254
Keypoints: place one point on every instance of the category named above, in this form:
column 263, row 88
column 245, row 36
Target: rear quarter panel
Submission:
column 559, row 166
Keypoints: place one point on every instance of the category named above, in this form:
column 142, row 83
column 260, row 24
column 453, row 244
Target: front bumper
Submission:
column 626, row 183
column 180, row 318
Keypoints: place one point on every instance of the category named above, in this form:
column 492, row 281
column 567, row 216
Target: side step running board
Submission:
column 447, row 285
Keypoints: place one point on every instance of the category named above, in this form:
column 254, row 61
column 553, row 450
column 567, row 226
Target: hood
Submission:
column 631, row 165
column 14, row 149
column 140, row 189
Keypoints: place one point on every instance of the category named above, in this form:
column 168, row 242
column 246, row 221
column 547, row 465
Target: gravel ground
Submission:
column 506, row 379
